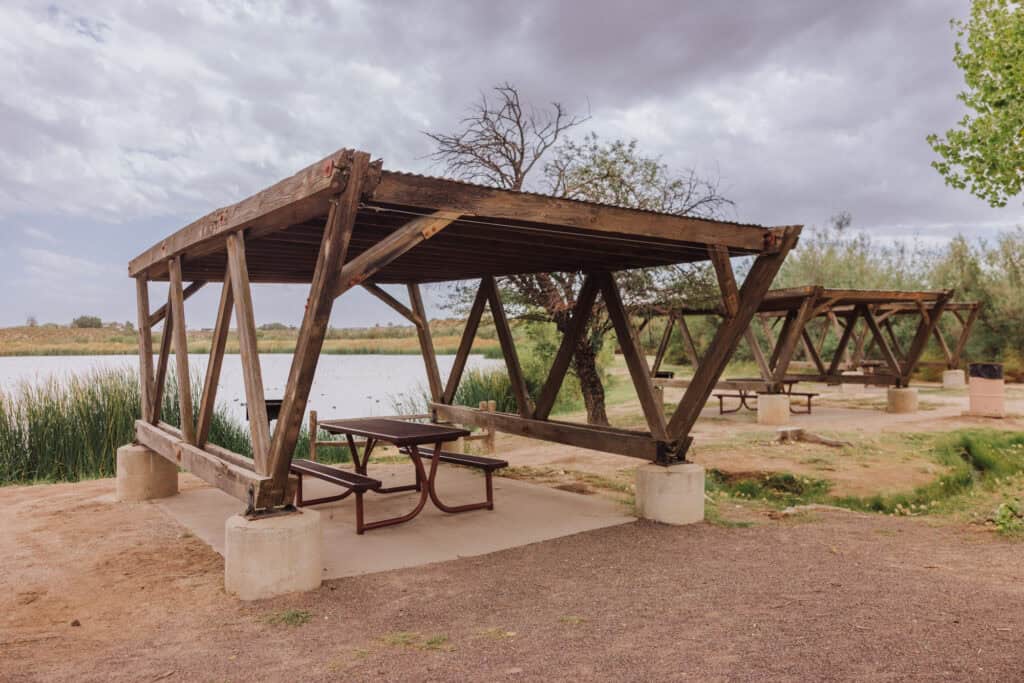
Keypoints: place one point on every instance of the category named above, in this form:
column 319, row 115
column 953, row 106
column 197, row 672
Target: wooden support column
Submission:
column 812, row 352
column 145, row 347
column 688, row 345
column 755, row 350
column 426, row 342
column 844, row 341
column 160, row 379
column 391, row 301
column 654, row 411
column 177, row 300
column 726, row 279
column 581, row 313
column 508, row 348
column 465, row 345
column 218, row 344
column 329, row 266
column 255, row 399
column 728, row 336
column 876, row 334
column 792, row 333
column 929, row 319
column 666, row 337
column 965, row 333
column 159, row 313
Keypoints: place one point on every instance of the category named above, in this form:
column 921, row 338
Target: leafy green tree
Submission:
column 87, row 321
column 504, row 143
column 985, row 152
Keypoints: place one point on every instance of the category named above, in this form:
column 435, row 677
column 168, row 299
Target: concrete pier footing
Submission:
column 901, row 400
column 953, row 379
column 772, row 409
column 273, row 555
column 144, row 475
column 671, row 495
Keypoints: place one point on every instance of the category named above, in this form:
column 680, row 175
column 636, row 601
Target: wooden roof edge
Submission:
column 301, row 197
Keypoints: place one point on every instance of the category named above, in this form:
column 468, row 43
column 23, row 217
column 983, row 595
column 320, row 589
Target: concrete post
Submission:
column 671, row 495
column 274, row 555
column 144, row 475
column 902, row 400
column 772, row 409
column 953, row 379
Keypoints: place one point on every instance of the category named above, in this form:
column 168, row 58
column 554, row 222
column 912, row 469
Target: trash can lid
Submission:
column 986, row 370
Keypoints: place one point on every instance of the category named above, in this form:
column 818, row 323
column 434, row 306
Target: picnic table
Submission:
column 407, row 437
column 747, row 390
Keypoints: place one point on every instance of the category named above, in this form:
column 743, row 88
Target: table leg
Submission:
column 452, row 509
column 414, row 453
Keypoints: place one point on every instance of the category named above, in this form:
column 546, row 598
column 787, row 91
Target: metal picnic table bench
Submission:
column 745, row 394
column 408, row 437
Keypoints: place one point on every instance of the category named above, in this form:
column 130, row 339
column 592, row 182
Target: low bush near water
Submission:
column 70, row 429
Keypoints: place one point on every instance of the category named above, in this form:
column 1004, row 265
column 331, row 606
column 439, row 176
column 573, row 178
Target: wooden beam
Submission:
column 407, row 190
column 755, row 350
column 227, row 475
column 331, row 261
column 299, row 198
column 965, row 333
column 145, row 347
column 192, row 288
column 426, row 343
column 789, row 337
column 812, row 351
column 666, row 337
column 362, row 267
column 582, row 310
column 654, row 410
column 177, row 301
column 604, row 439
column 844, row 341
column 929, row 319
column 476, row 312
column 391, row 301
column 688, row 344
column 508, row 348
column 245, row 321
column 876, row 333
column 726, row 279
column 728, row 336
column 160, row 379
column 218, row 344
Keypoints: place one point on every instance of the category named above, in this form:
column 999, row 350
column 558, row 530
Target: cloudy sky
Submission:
column 120, row 122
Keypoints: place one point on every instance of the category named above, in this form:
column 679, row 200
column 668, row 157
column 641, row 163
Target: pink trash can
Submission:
column 986, row 390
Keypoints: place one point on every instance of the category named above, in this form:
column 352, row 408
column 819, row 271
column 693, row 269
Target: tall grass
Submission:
column 70, row 429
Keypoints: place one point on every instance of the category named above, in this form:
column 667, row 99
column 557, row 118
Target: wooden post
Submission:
column 245, row 321
column 426, row 342
column 876, row 333
column 508, row 348
column 755, row 349
column 581, row 313
column 666, row 337
column 791, row 333
column 188, row 429
column 654, row 410
column 965, row 333
column 929, row 319
column 729, row 333
column 160, row 380
column 688, row 344
column 844, row 341
column 329, row 265
column 465, row 345
column 145, row 347
column 218, row 344
column 314, row 431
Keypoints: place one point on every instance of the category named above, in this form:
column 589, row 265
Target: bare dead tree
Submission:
column 504, row 144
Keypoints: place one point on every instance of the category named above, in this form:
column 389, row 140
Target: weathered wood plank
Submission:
column 409, row 190
column 726, row 279
column 177, row 301
column 330, row 262
column 293, row 200
column 607, row 440
column 476, row 312
column 392, row 302
column 582, row 310
column 666, row 337
column 145, row 347
column 636, row 363
column 508, row 348
column 218, row 344
column 229, row 475
column 426, row 343
column 160, row 379
column 924, row 330
column 758, row 353
column 876, row 333
column 688, row 343
column 245, row 322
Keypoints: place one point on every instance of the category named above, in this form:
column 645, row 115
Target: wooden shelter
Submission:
column 861, row 319
column 345, row 222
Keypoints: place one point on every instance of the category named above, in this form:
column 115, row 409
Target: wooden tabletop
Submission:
column 398, row 432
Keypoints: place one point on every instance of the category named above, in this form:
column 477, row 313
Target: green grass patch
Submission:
column 289, row 617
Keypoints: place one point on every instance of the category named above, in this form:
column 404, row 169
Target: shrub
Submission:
column 87, row 321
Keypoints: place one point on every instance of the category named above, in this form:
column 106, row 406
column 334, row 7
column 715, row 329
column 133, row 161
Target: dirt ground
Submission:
column 92, row 590
column 115, row 592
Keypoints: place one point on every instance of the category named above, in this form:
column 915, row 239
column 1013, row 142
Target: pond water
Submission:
column 345, row 385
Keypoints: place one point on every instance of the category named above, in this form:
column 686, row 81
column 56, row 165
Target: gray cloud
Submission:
column 122, row 122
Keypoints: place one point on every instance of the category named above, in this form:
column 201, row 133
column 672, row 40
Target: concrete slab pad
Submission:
column 523, row 513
